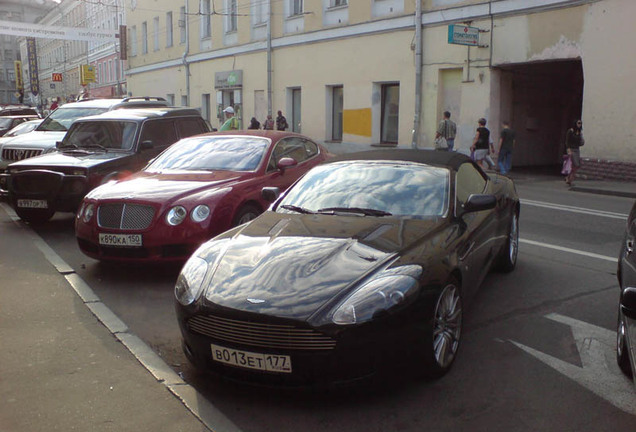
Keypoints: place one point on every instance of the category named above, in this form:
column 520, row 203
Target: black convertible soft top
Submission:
column 430, row 157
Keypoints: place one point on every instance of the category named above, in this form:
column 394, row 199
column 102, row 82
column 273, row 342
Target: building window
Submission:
column 155, row 33
column 8, row 55
column 296, row 110
column 182, row 25
column 337, row 105
column 1, row 74
column 206, row 23
column 168, row 29
column 133, row 41
column 336, row 3
column 232, row 23
column 296, row 7
column 170, row 99
column 184, row 100
column 205, row 106
column 390, row 113
column 259, row 10
column 10, row 75
column 111, row 68
column 144, row 37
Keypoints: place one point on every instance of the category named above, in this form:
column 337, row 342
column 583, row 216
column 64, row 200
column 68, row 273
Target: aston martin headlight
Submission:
column 88, row 213
column 200, row 213
column 374, row 297
column 190, row 281
column 176, row 215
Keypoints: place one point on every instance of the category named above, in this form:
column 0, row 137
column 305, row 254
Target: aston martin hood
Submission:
column 291, row 265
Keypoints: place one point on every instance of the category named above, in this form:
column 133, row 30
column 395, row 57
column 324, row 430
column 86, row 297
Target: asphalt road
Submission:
column 537, row 351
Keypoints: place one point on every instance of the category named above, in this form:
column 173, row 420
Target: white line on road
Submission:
column 573, row 251
column 573, row 209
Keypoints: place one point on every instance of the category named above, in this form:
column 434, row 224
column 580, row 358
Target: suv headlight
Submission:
column 176, row 215
column 378, row 295
column 190, row 281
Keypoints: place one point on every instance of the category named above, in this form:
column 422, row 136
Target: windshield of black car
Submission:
column 62, row 118
column 103, row 134
column 211, row 153
column 398, row 188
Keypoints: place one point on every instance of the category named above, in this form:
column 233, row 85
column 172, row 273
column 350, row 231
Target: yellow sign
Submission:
column 87, row 74
column 19, row 84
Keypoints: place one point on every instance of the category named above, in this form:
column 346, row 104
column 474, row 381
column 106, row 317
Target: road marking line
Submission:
column 573, row 209
column 573, row 251
column 599, row 372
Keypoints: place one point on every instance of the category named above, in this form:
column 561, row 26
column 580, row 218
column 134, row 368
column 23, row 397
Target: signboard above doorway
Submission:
column 463, row 35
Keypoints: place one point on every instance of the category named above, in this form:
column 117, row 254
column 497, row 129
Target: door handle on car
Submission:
column 629, row 246
column 464, row 253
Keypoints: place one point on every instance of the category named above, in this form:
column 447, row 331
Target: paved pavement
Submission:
column 68, row 363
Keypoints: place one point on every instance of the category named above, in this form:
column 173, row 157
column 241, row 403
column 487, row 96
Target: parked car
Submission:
column 196, row 189
column 626, row 333
column 9, row 122
column 22, row 128
column 56, row 124
column 367, row 261
column 9, row 110
column 95, row 150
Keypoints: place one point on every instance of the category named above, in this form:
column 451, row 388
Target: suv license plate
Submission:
column 123, row 240
column 252, row 360
column 29, row 203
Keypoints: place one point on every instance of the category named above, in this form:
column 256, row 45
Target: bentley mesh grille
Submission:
column 125, row 216
column 260, row 334
column 19, row 154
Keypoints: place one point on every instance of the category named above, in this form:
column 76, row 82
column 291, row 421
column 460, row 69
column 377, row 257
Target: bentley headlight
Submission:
column 176, row 215
column 190, row 281
column 88, row 213
column 81, row 210
column 376, row 296
column 200, row 213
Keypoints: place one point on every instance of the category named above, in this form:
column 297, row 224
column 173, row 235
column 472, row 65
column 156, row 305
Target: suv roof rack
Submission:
column 143, row 98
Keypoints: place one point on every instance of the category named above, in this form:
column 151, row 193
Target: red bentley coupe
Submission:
column 199, row 187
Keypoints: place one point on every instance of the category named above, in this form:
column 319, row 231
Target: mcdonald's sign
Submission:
column 57, row 77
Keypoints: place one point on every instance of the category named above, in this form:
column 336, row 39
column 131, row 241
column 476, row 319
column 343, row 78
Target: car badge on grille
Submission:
column 255, row 301
column 19, row 154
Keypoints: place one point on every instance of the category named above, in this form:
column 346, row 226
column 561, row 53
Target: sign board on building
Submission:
column 19, row 84
column 52, row 85
column 463, row 35
column 33, row 65
column 87, row 74
column 123, row 42
column 57, row 77
column 229, row 79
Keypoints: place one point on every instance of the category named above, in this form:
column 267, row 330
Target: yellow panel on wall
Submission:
column 357, row 122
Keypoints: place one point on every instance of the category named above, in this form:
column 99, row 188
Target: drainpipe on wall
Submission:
column 269, row 57
column 418, row 74
column 186, row 52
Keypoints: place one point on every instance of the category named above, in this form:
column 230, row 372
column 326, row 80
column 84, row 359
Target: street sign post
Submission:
column 463, row 35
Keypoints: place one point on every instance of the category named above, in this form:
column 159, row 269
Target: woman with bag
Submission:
column 573, row 141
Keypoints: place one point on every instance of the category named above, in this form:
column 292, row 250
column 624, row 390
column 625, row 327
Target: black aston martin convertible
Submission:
column 364, row 263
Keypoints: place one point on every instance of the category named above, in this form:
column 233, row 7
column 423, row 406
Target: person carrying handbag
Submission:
column 573, row 142
column 446, row 132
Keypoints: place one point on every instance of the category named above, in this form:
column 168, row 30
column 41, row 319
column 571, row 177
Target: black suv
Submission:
column 95, row 150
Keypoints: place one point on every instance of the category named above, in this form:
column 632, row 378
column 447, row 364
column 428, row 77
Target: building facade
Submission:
column 357, row 74
column 28, row 11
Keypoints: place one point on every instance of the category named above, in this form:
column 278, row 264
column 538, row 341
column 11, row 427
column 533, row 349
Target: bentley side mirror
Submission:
column 285, row 163
column 270, row 194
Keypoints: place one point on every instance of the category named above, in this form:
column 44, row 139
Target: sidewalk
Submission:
column 61, row 369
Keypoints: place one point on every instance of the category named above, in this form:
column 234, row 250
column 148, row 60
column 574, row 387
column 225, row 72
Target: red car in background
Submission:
column 196, row 189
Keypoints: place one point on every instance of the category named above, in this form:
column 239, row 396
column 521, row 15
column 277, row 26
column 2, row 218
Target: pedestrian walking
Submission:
column 481, row 143
column 268, row 124
column 447, row 129
column 254, row 124
column 53, row 106
column 231, row 122
column 506, row 144
column 573, row 142
column 281, row 121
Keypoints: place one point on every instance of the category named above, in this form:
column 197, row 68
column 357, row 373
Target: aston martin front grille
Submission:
column 260, row 335
column 125, row 216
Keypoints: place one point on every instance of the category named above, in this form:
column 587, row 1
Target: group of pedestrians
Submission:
column 232, row 123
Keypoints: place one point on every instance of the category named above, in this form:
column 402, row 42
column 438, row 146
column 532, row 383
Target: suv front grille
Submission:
column 260, row 335
column 125, row 216
column 19, row 154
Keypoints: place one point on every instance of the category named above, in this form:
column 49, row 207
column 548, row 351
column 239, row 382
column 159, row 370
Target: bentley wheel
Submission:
column 507, row 259
column 447, row 328
column 622, row 353
column 34, row 216
column 246, row 214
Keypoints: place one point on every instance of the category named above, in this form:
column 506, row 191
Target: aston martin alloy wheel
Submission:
column 622, row 355
column 447, row 328
column 507, row 259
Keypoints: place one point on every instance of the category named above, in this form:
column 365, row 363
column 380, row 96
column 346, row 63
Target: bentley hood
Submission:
column 291, row 265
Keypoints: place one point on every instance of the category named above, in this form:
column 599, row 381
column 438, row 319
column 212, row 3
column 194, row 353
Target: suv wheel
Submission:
column 34, row 216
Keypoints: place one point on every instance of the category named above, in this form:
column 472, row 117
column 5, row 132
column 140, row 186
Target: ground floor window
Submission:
column 295, row 117
column 337, row 98
column 390, row 112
